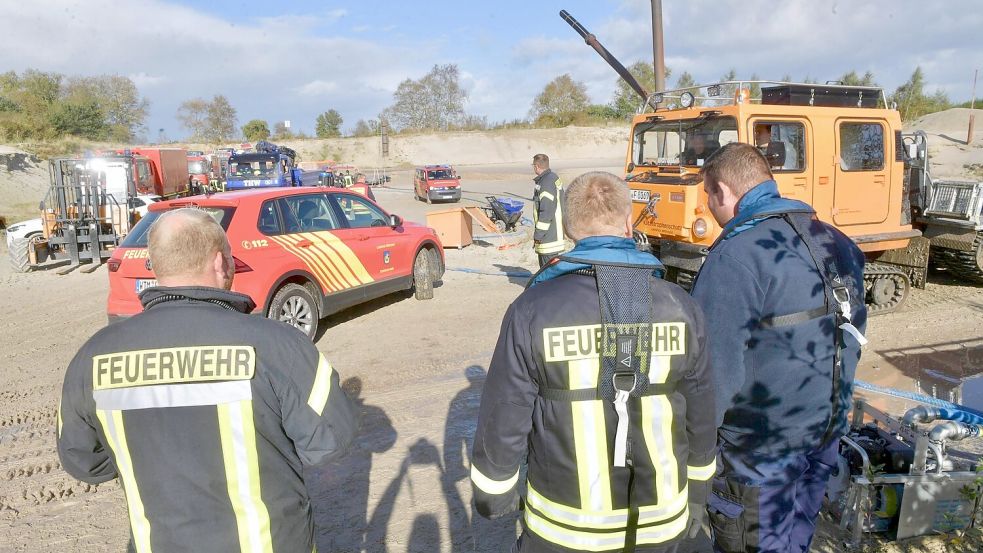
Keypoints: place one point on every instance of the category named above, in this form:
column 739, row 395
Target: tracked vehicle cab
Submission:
column 837, row 148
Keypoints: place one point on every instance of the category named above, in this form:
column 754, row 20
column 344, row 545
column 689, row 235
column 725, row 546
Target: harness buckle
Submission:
column 616, row 376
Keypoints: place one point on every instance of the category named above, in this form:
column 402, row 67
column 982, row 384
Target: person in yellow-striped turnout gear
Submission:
column 205, row 413
column 547, row 212
column 601, row 382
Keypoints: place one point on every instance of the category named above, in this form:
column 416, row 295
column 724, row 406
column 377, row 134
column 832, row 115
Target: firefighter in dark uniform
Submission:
column 601, row 377
column 205, row 413
column 547, row 199
column 784, row 298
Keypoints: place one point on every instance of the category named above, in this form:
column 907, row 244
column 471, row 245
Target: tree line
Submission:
column 36, row 105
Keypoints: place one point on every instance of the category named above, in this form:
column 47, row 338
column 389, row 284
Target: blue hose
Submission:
column 948, row 410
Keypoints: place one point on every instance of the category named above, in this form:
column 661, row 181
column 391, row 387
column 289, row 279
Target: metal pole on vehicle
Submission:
column 972, row 114
column 658, row 52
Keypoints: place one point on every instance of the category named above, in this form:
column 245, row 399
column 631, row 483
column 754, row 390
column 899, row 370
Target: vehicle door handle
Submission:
column 304, row 244
column 363, row 237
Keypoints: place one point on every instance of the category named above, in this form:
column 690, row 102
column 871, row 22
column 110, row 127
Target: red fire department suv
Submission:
column 300, row 253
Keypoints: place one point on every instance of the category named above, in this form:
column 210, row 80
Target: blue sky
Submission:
column 293, row 60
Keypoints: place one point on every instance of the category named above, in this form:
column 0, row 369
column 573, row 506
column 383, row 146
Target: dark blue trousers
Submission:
column 768, row 503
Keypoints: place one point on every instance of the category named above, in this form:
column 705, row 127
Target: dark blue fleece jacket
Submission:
column 774, row 385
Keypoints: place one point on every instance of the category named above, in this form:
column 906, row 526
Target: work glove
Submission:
column 698, row 520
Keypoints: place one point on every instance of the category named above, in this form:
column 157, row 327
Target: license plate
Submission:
column 144, row 283
column 639, row 196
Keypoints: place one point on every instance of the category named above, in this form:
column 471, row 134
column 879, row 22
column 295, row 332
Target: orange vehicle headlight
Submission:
column 700, row 228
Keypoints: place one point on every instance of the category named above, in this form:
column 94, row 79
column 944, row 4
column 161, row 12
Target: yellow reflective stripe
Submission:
column 333, row 261
column 610, row 519
column 657, row 429
column 347, row 254
column 614, row 519
column 703, row 473
column 573, row 539
column 322, row 386
column 551, row 197
column 58, row 420
column 664, row 532
column 242, row 476
column 112, row 425
column 551, row 247
column 328, row 270
column 543, row 226
column 315, row 265
column 590, row 438
column 558, row 217
column 490, row 486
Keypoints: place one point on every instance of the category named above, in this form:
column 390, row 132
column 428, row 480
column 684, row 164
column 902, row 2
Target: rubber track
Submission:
column 963, row 264
column 874, row 271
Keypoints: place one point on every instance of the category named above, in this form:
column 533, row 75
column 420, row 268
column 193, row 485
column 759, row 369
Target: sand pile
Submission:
column 949, row 155
column 23, row 183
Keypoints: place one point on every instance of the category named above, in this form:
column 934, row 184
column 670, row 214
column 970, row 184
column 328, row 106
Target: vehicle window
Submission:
column 681, row 142
column 136, row 202
column 308, row 213
column 137, row 238
column 269, row 219
column 782, row 143
column 441, row 174
column 861, row 147
column 359, row 212
column 143, row 174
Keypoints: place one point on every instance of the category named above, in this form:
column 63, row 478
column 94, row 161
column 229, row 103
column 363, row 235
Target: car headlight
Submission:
column 700, row 227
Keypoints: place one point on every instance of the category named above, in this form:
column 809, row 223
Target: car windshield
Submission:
column 197, row 167
column 253, row 168
column 441, row 174
column 681, row 142
column 137, row 238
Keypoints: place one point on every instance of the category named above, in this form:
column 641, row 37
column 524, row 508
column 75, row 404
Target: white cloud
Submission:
column 296, row 66
column 271, row 68
column 317, row 88
column 143, row 80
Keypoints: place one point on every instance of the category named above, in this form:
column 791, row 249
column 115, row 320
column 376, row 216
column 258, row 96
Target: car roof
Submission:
column 236, row 197
column 434, row 167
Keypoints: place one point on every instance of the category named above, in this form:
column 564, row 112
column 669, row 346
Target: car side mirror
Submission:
column 395, row 221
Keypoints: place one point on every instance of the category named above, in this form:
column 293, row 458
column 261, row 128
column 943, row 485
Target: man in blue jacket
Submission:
column 784, row 301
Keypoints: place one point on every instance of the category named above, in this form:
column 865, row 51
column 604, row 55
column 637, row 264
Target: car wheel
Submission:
column 295, row 305
column 19, row 253
column 423, row 276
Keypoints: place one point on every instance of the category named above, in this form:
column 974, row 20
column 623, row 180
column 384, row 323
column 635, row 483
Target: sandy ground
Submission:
column 403, row 486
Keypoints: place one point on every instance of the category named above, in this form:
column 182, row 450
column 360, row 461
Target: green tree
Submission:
column 117, row 97
column 851, row 78
column 560, row 101
column 626, row 100
column 685, row 80
column 256, row 130
column 328, row 124
column 84, row 119
column 434, row 102
column 913, row 102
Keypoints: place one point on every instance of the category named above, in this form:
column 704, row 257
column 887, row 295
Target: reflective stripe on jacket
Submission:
column 548, row 213
column 576, row 499
column 207, row 416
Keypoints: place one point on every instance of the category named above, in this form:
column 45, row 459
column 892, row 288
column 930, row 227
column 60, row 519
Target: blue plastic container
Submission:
column 510, row 205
